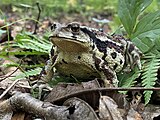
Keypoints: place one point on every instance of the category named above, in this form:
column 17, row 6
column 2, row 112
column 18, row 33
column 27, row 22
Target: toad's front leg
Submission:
column 107, row 74
column 46, row 75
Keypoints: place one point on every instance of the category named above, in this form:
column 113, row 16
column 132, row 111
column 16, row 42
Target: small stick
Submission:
column 8, row 89
column 39, row 13
column 9, row 74
column 3, row 78
column 107, row 89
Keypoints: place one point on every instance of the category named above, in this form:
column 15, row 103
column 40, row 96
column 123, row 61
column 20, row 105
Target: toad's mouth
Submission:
column 70, row 44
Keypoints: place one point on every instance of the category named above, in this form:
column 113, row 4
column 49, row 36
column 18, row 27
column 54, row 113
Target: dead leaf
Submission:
column 2, row 23
column 80, row 110
column 73, row 108
column 18, row 116
column 108, row 109
column 151, row 112
column 133, row 115
column 63, row 91
column 5, row 110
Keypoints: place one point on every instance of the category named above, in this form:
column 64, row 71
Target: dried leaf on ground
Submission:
column 19, row 116
column 73, row 108
column 108, row 109
column 63, row 91
column 80, row 110
column 151, row 112
column 133, row 115
column 5, row 110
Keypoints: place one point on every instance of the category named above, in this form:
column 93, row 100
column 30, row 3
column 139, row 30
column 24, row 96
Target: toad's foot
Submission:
column 42, row 86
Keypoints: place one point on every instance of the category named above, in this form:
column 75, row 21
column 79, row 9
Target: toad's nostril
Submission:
column 50, row 37
column 75, row 28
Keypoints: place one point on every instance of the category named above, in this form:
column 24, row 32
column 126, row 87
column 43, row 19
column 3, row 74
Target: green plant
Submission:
column 32, row 42
column 144, row 31
column 26, row 44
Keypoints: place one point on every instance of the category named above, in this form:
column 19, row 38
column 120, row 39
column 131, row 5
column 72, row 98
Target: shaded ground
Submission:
column 13, row 13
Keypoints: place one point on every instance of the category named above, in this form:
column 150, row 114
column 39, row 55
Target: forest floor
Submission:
column 17, row 20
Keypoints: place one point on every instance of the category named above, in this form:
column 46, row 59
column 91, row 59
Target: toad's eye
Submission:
column 53, row 26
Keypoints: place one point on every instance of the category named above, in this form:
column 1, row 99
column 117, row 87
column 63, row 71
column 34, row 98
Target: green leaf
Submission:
column 31, row 42
column 144, row 44
column 148, row 26
column 147, row 31
column 127, row 79
column 157, row 43
column 128, row 11
column 4, row 53
column 149, row 75
column 28, row 73
column 25, row 66
column 147, row 96
column 34, row 45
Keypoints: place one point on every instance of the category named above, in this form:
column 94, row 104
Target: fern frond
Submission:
column 149, row 76
column 32, row 43
column 33, row 72
column 28, row 73
column 128, row 79
column 4, row 53
column 22, row 65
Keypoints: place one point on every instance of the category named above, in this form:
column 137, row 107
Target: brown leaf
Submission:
column 5, row 110
column 64, row 91
column 72, row 108
column 2, row 23
column 119, row 98
column 133, row 115
column 151, row 112
column 108, row 109
column 18, row 116
column 80, row 110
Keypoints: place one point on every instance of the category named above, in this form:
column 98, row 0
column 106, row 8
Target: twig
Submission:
column 39, row 13
column 74, row 108
column 106, row 89
column 9, row 74
column 8, row 89
column 25, row 102
column 12, row 72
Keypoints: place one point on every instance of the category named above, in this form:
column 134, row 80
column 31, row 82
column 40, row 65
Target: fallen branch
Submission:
column 25, row 102
column 73, row 108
